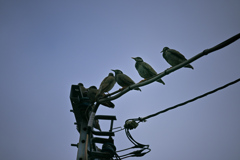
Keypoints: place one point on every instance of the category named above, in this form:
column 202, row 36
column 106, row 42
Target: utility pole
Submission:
column 84, row 113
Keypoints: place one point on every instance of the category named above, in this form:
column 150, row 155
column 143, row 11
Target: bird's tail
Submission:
column 160, row 81
column 99, row 94
column 108, row 104
column 138, row 89
column 189, row 66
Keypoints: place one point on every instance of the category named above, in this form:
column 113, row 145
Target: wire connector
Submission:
column 130, row 124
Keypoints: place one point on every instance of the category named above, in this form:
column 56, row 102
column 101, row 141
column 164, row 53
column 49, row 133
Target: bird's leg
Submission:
column 104, row 95
column 142, row 80
column 122, row 88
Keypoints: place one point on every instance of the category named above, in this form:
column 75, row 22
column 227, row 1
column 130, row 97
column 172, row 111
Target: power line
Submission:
column 170, row 70
column 77, row 101
column 191, row 100
column 133, row 123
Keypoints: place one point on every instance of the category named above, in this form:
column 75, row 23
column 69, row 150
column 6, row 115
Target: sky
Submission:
column 46, row 46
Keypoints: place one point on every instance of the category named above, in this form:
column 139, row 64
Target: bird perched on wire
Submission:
column 106, row 85
column 123, row 80
column 174, row 57
column 83, row 89
column 145, row 70
column 92, row 92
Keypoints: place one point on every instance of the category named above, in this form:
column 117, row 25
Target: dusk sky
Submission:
column 46, row 46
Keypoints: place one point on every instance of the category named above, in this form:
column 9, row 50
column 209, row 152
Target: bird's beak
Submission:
column 133, row 57
column 161, row 51
column 113, row 70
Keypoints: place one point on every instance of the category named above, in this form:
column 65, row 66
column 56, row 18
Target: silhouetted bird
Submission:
column 123, row 80
column 92, row 92
column 145, row 70
column 174, row 57
column 106, row 85
column 83, row 89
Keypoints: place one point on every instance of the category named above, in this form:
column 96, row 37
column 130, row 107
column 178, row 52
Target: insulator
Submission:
column 130, row 124
column 109, row 148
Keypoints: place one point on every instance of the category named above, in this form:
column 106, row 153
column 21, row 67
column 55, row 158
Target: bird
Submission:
column 145, row 70
column 123, row 80
column 106, row 85
column 173, row 57
column 92, row 92
column 83, row 89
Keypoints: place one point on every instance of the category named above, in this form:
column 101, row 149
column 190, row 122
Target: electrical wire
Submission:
column 191, row 100
column 133, row 123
